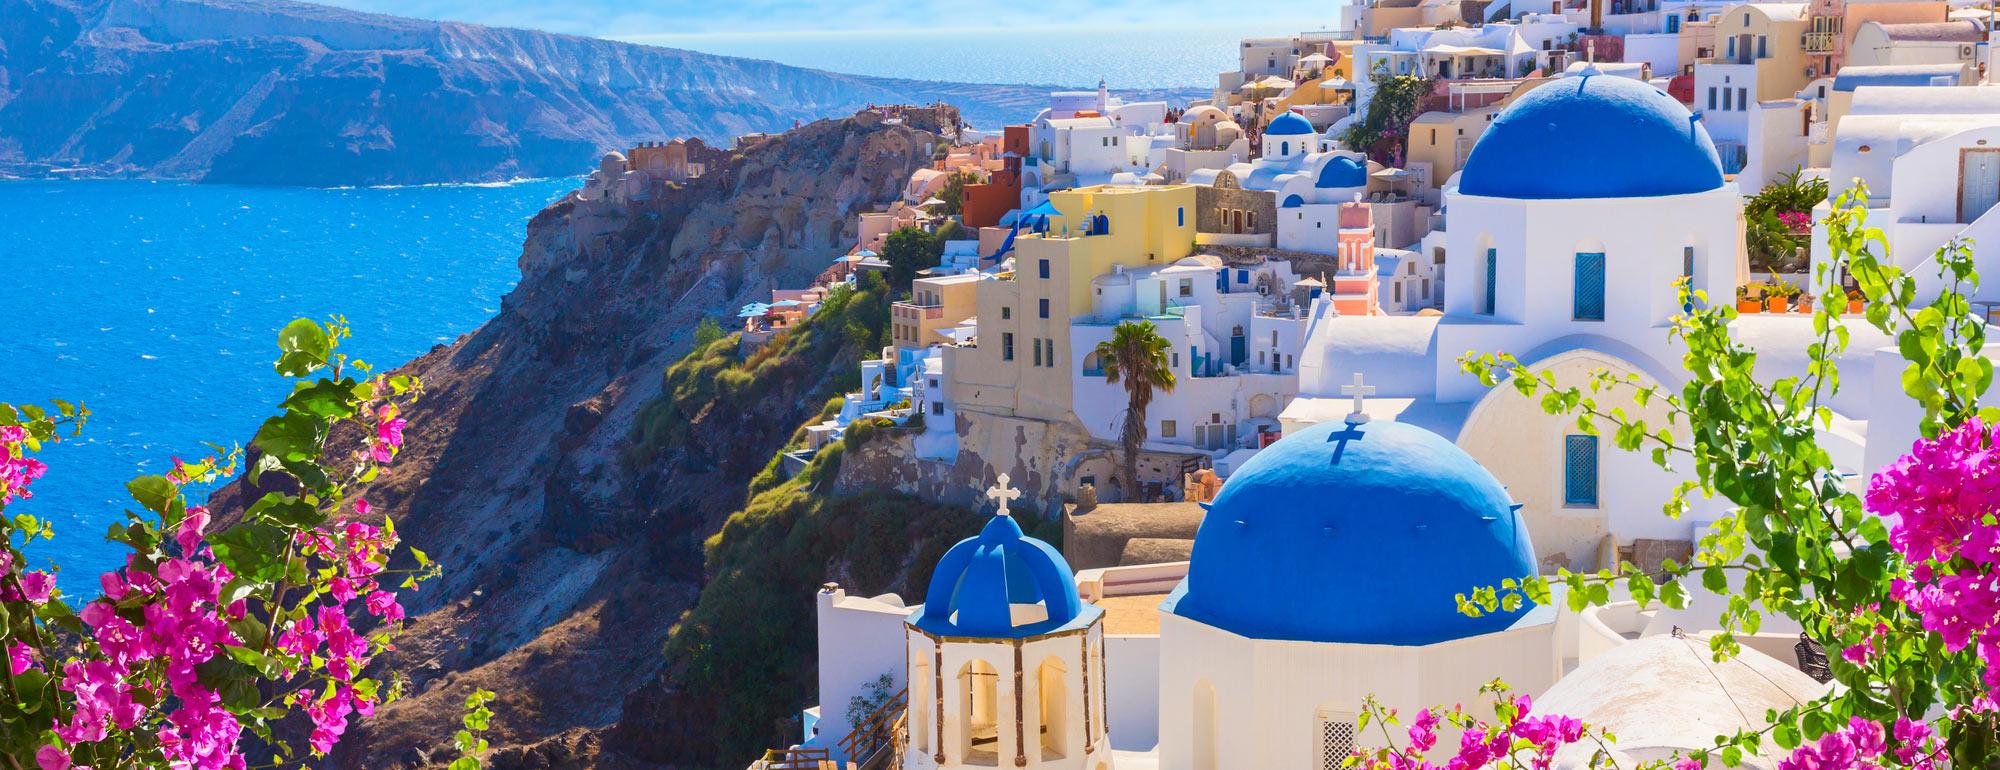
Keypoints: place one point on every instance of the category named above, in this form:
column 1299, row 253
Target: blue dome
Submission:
column 1342, row 171
column 1288, row 124
column 1596, row 136
column 984, row 582
column 1360, row 534
column 1293, row 201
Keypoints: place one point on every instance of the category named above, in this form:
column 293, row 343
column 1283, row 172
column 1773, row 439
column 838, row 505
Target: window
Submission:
column 1336, row 740
column 1176, row 362
column 1763, row 50
column 1589, row 286
column 1725, row 100
column 1711, row 97
column 937, row 407
column 1742, row 98
column 1050, row 346
column 1168, row 429
column 1492, row 277
column 1242, row 276
column 1187, row 287
column 1038, row 351
column 1398, row 292
column 1043, row 266
column 1006, row 346
column 1251, row 216
column 1180, row 217
column 1006, row 313
column 1044, row 303
column 1284, row 148
column 1732, row 44
column 1580, row 470
column 1427, row 288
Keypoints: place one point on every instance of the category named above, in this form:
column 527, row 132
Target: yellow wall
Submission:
column 1782, row 71
column 1151, row 225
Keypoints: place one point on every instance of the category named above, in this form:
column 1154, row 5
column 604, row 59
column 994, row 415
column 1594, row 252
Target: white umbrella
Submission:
column 1337, row 83
column 1317, row 58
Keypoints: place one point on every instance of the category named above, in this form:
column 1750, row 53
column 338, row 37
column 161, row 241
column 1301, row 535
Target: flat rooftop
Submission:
column 1132, row 614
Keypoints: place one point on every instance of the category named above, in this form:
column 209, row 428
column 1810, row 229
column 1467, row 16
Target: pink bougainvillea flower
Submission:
column 20, row 658
column 52, row 757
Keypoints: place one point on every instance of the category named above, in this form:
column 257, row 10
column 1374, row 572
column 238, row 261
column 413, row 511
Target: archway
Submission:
column 920, row 701
column 1203, row 729
column 979, row 713
column 1263, row 405
column 1053, row 713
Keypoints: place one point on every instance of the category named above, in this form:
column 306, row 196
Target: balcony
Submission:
column 1820, row 42
column 912, row 311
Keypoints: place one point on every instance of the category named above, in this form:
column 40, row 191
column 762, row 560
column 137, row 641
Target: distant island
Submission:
column 285, row 93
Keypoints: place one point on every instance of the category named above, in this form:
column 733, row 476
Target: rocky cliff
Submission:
column 570, row 556
column 277, row 92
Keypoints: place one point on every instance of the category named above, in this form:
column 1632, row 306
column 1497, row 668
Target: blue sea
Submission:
column 1126, row 57
column 158, row 305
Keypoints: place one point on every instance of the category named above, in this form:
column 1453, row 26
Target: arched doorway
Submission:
column 921, row 698
column 979, row 713
column 1053, row 713
column 1203, row 729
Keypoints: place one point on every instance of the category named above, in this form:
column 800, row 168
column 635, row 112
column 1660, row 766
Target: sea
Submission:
column 158, row 304
column 1073, row 56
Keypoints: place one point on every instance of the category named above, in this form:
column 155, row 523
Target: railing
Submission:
column 793, row 759
column 878, row 731
column 914, row 310
column 1819, row 42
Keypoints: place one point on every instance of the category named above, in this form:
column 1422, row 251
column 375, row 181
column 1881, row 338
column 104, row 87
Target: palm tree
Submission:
column 1136, row 355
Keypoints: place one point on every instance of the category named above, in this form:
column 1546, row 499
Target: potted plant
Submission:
column 1749, row 301
column 1854, row 301
column 1803, row 303
column 1778, row 298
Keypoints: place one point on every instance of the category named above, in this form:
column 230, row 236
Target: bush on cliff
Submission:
column 747, row 647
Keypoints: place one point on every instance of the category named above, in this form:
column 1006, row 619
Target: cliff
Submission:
column 572, row 543
column 278, row 92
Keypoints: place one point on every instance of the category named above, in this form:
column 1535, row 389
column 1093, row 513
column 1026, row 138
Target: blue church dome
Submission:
column 986, row 583
column 1288, row 124
column 1360, row 534
column 1342, row 171
column 1595, row 136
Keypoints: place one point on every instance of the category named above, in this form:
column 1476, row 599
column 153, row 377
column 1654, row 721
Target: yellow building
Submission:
column 1769, row 36
column 935, row 304
column 1022, row 364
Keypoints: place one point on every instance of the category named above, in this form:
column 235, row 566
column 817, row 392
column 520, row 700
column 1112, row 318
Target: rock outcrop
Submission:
column 568, row 560
column 279, row 92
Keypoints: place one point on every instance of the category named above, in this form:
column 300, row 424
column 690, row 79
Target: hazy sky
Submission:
column 639, row 19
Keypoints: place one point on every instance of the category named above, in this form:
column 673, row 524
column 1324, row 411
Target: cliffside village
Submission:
column 1565, row 168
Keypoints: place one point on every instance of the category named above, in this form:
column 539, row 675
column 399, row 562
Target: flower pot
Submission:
column 1805, row 305
column 1749, row 306
column 1854, row 306
column 1777, row 304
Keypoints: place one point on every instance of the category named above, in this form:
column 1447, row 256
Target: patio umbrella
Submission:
column 753, row 310
column 787, row 303
column 1317, row 58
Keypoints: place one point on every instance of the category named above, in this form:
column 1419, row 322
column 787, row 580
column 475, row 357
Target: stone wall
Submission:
column 1210, row 203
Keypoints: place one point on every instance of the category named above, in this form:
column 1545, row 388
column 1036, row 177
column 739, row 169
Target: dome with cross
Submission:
column 1000, row 584
column 1357, row 532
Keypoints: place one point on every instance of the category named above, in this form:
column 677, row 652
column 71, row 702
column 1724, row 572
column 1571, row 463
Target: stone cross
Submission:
column 1003, row 493
column 1359, row 392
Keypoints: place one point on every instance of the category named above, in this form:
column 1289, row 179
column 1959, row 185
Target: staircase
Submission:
column 877, row 741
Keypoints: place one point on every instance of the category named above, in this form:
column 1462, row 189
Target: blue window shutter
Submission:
column 1579, row 470
column 1492, row 277
column 1589, row 286
column 1180, row 217
column 1044, row 268
column 1045, row 308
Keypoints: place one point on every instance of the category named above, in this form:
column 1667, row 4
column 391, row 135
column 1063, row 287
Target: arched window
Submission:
column 979, row 713
column 1284, row 148
column 920, row 707
column 1054, row 712
column 1336, row 737
column 1203, row 729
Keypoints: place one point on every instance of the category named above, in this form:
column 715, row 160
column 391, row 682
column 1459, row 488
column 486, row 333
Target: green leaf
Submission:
column 304, row 344
column 290, row 436
column 253, row 550
column 325, row 398
column 153, row 492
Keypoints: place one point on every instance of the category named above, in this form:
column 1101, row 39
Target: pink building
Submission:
column 1353, row 289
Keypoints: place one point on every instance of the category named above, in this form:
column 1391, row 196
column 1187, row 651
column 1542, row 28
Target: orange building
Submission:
column 984, row 204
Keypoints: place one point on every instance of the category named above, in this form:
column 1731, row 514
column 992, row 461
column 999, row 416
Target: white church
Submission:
column 1327, row 569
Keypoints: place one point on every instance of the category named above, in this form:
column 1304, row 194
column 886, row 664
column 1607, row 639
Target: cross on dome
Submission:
column 1360, row 392
column 1002, row 492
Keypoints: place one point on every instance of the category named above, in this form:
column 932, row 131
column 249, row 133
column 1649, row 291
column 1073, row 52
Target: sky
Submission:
column 643, row 21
